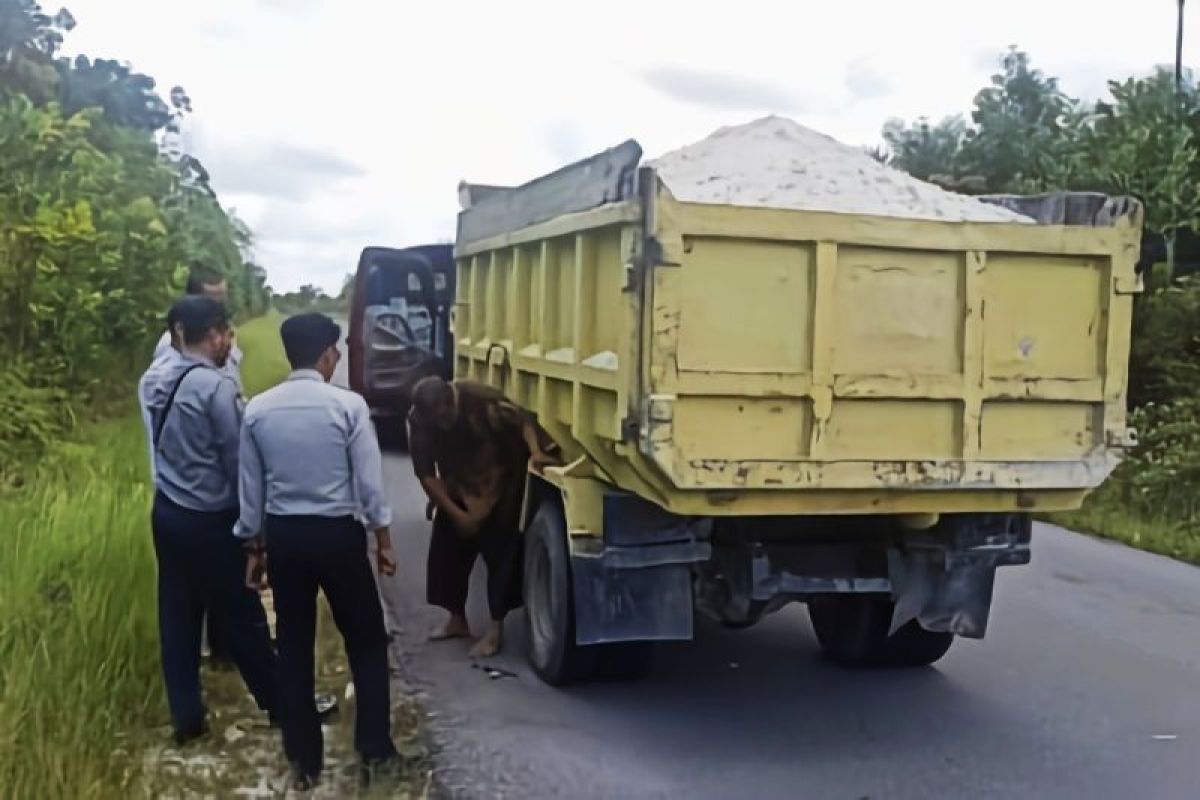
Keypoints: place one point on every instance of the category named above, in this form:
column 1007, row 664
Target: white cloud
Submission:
column 723, row 91
column 334, row 125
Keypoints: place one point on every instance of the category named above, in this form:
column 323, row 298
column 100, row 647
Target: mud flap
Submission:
column 623, row 605
column 944, row 578
column 638, row 587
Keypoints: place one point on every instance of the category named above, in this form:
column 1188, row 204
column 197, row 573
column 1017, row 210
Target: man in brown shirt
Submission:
column 470, row 449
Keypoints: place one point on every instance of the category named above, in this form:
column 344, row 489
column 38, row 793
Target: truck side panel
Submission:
column 729, row 361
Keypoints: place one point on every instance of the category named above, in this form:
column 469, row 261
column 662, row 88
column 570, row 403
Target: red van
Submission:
column 400, row 323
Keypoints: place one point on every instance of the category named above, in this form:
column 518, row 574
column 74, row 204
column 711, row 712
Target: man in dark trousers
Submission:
column 206, row 283
column 195, row 416
column 470, row 449
column 311, row 480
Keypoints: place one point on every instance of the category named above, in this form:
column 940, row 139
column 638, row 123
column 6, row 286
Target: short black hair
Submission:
column 198, row 315
column 172, row 318
column 430, row 393
column 199, row 277
column 306, row 337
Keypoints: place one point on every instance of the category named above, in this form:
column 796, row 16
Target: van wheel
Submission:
column 553, row 652
column 852, row 629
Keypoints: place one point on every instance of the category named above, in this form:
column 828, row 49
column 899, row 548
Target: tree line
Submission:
column 102, row 215
column 1025, row 135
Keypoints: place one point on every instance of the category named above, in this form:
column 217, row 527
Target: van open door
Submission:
column 400, row 323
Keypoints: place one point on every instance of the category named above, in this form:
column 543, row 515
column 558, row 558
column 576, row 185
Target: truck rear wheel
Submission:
column 553, row 652
column 852, row 629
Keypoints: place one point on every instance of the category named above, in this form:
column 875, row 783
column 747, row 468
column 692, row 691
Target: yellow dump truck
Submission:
column 760, row 406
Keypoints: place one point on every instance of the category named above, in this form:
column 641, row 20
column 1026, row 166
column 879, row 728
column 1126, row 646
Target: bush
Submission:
column 1164, row 364
column 30, row 419
column 1162, row 475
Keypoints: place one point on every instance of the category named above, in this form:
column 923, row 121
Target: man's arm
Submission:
column 366, row 465
column 420, row 449
column 506, row 414
column 148, row 424
column 250, row 488
column 466, row 516
column 225, row 410
column 251, row 494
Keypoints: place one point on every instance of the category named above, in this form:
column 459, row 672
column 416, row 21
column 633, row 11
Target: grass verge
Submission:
column 79, row 665
column 1107, row 515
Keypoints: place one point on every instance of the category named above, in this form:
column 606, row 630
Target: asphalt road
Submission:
column 1087, row 686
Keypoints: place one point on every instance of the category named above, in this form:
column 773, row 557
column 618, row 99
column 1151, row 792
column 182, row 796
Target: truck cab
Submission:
column 399, row 328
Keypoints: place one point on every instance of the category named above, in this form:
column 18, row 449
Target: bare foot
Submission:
column 455, row 628
column 490, row 644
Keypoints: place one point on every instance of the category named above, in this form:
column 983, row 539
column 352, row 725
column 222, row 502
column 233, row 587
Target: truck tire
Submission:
column 852, row 629
column 553, row 652
column 549, row 602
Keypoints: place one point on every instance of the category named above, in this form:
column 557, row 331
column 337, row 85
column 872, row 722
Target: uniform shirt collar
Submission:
column 306, row 375
column 198, row 358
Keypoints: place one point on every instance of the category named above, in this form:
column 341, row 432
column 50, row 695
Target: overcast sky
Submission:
column 330, row 125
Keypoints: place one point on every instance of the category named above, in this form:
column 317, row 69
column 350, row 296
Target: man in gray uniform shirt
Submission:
column 195, row 413
column 311, row 480
column 202, row 282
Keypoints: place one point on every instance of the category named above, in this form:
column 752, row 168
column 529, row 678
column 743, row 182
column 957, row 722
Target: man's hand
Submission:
column 478, row 507
column 385, row 559
column 539, row 460
column 256, row 570
column 464, row 522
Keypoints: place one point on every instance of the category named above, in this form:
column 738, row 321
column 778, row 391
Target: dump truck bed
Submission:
column 725, row 360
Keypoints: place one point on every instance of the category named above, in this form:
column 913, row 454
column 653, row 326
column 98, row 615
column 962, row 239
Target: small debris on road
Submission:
column 494, row 673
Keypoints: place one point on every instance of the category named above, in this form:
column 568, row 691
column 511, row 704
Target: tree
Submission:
column 127, row 98
column 1018, row 127
column 29, row 41
column 98, row 226
column 1144, row 143
column 1015, row 141
column 924, row 148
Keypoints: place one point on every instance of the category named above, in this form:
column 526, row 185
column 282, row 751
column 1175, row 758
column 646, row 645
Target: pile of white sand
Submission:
column 778, row 163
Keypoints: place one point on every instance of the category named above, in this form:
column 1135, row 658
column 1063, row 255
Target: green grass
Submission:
column 1106, row 515
column 80, row 687
column 265, row 363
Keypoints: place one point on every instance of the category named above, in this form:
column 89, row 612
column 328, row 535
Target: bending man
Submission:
column 470, row 449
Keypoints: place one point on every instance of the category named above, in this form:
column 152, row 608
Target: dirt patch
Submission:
column 242, row 756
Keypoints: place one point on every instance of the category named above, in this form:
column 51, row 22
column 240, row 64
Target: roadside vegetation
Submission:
column 80, row 687
column 102, row 212
column 1026, row 136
